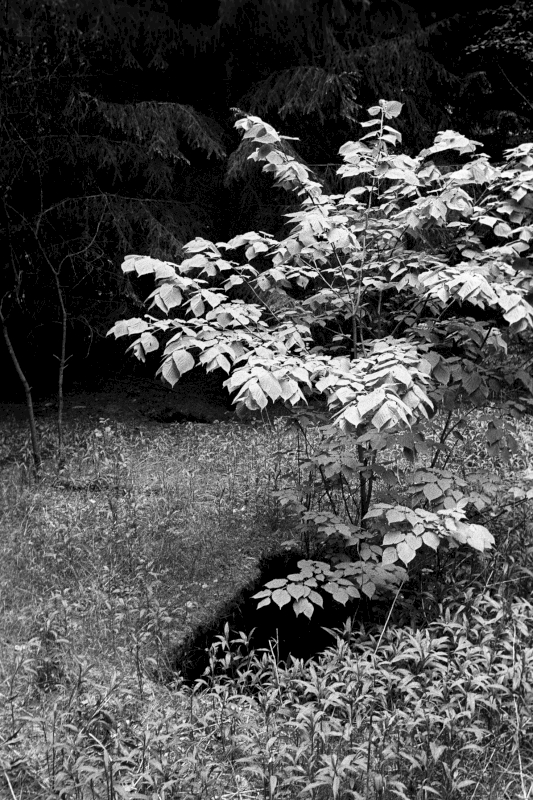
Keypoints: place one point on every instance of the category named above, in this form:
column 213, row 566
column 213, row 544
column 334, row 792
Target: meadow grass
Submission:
column 107, row 562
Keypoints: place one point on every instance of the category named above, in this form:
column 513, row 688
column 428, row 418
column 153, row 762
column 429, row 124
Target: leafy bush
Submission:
column 390, row 311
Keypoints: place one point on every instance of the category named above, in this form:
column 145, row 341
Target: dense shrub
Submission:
column 352, row 307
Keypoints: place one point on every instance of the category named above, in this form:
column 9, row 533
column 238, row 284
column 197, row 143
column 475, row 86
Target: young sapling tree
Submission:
column 381, row 307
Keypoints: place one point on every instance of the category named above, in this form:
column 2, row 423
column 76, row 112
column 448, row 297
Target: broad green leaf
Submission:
column 170, row 295
column 276, row 583
column 405, row 552
column 223, row 363
column 515, row 315
column 298, row 590
column 281, row 597
column 214, row 299
column 183, row 361
column 374, row 512
column 369, row 588
column 393, row 537
column 477, row 536
column 261, row 594
column 389, row 415
column 164, row 271
column 143, row 265
column 121, row 328
column 486, row 219
column 337, row 592
column 401, row 374
column 352, row 415
column 303, row 606
column 301, row 374
column 300, row 576
column 233, row 280
column 288, row 388
column 257, row 394
column 392, row 108
column 390, row 555
column 395, row 515
column 315, row 597
column 128, row 265
column 502, row 229
column 137, row 325
column 432, row 491
column 197, row 305
column 169, row 371
column 412, row 541
column 431, row 539
column 149, row 342
column 270, row 385
column 370, row 401
column 442, row 373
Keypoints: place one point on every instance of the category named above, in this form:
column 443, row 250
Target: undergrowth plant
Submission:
column 435, row 713
column 388, row 312
column 106, row 565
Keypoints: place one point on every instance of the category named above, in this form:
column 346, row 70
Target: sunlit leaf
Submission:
column 276, row 583
column 183, row 361
column 405, row 552
column 303, row 606
column 431, row 539
column 281, row 597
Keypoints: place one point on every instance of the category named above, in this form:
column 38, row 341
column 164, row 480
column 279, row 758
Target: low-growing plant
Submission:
column 442, row 712
column 238, row 629
column 388, row 311
column 107, row 566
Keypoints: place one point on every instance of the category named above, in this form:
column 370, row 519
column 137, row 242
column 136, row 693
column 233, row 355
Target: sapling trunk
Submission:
column 61, row 372
column 36, row 449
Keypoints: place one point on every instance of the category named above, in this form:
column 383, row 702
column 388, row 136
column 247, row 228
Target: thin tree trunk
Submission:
column 62, row 365
column 36, row 449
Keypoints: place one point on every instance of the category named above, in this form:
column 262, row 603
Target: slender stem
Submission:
column 517, row 90
column 56, row 270
column 418, row 316
column 344, row 498
column 326, row 489
column 370, row 484
column 36, row 449
column 442, row 438
column 62, row 365
column 363, row 485
column 9, row 784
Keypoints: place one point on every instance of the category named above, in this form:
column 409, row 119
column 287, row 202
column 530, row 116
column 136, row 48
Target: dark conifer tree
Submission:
column 116, row 128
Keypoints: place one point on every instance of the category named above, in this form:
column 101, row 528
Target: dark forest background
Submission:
column 116, row 125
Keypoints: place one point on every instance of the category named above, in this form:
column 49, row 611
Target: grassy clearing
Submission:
column 106, row 564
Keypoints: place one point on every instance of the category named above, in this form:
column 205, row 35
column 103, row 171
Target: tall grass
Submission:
column 105, row 565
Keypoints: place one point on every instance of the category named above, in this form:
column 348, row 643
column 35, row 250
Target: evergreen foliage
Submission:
column 89, row 166
column 501, row 74
column 115, row 127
